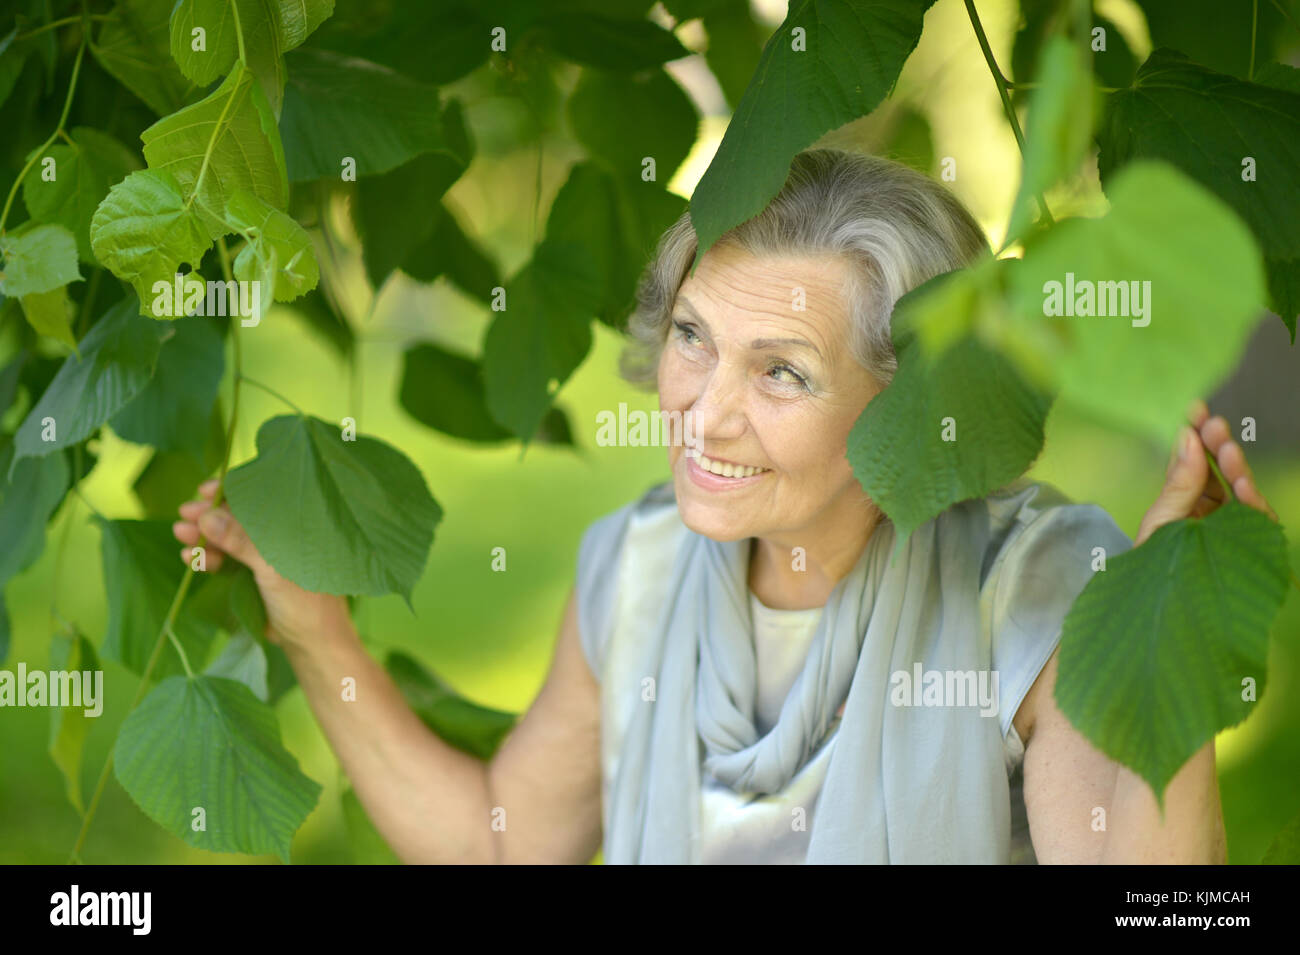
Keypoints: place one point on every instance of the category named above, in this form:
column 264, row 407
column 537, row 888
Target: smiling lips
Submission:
column 723, row 468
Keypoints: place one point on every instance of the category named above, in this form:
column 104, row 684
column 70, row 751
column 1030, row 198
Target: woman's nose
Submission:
column 718, row 410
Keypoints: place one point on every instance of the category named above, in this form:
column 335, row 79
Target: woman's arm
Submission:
column 1067, row 780
column 537, row 800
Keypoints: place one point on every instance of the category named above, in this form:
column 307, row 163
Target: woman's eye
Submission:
column 792, row 377
column 687, row 333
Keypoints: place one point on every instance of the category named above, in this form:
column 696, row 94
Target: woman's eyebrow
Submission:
column 757, row 343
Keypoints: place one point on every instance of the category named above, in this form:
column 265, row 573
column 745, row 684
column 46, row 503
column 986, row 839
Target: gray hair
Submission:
column 897, row 227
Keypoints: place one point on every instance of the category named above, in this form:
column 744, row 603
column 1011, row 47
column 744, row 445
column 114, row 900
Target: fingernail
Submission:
column 213, row 523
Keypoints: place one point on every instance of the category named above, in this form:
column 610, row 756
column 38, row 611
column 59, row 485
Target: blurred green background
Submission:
column 491, row 634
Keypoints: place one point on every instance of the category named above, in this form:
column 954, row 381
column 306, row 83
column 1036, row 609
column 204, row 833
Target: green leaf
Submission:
column 50, row 313
column 853, row 53
column 1203, row 300
column 234, row 130
column 12, row 57
column 624, row 118
column 278, row 253
column 368, row 846
column 117, row 360
column 142, row 569
column 1285, row 847
column 83, row 174
column 30, row 492
column 607, row 43
column 445, row 391
column 39, row 260
column 1157, row 648
column 270, row 29
column 1208, row 124
column 69, row 724
column 449, row 251
column 173, row 410
column 432, row 42
column 540, row 338
column 133, row 48
column 477, row 730
column 338, row 107
column 735, row 47
column 243, row 661
column 598, row 235
column 1220, row 35
column 170, row 477
column 145, row 229
column 227, row 759
column 334, row 516
column 1059, row 129
column 315, row 310
column 951, row 425
column 397, row 214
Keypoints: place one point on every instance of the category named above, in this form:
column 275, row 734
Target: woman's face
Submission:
column 770, row 386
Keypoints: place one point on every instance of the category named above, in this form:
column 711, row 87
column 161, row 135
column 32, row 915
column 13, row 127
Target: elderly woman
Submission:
column 734, row 676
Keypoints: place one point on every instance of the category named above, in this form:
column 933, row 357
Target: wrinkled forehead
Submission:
column 731, row 288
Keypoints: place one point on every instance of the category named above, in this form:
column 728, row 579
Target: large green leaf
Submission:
column 953, row 424
column 445, row 391
column 735, row 46
column 234, row 130
column 1208, row 124
column 434, row 42
column 449, row 251
column 608, row 43
column 173, row 410
column 334, row 516
column 336, row 107
column 242, row 660
column 117, row 360
column 270, row 28
column 623, row 118
column 29, row 494
column 142, row 569
column 1157, row 650
column 133, row 48
column 73, row 654
column 397, row 213
column 1197, row 272
column 83, row 173
column 207, row 743
column 39, row 260
column 145, row 229
column 478, row 730
column 854, row 50
column 1059, row 128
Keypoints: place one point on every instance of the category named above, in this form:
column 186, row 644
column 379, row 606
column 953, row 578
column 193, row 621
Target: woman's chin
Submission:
column 711, row 521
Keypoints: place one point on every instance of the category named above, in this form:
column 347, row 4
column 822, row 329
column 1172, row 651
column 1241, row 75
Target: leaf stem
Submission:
column 273, row 393
column 186, row 580
column 1214, row 466
column 55, row 24
column 1001, row 82
column 239, row 31
column 63, row 119
column 185, row 660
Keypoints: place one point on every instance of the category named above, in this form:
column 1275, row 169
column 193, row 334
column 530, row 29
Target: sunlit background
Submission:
column 491, row 634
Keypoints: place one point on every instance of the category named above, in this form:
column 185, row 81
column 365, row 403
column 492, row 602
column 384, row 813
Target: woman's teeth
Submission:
column 726, row 470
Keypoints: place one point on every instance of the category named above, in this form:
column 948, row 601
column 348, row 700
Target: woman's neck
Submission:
column 789, row 574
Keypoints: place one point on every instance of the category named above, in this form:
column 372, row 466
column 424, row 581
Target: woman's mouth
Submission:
column 713, row 474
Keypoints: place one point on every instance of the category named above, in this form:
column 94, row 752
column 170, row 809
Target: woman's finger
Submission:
column 1197, row 412
column 186, row 532
column 208, row 488
column 212, row 558
column 1215, row 433
column 192, row 510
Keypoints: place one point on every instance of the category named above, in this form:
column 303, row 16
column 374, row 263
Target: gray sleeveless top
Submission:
column 1029, row 574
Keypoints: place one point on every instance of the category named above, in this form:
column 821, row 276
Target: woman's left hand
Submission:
column 1191, row 487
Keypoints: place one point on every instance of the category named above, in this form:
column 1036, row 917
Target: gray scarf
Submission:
column 905, row 784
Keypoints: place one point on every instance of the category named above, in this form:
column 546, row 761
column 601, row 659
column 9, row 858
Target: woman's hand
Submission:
column 293, row 615
column 1191, row 487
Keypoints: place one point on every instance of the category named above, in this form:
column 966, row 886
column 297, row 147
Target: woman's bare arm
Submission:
column 537, row 800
